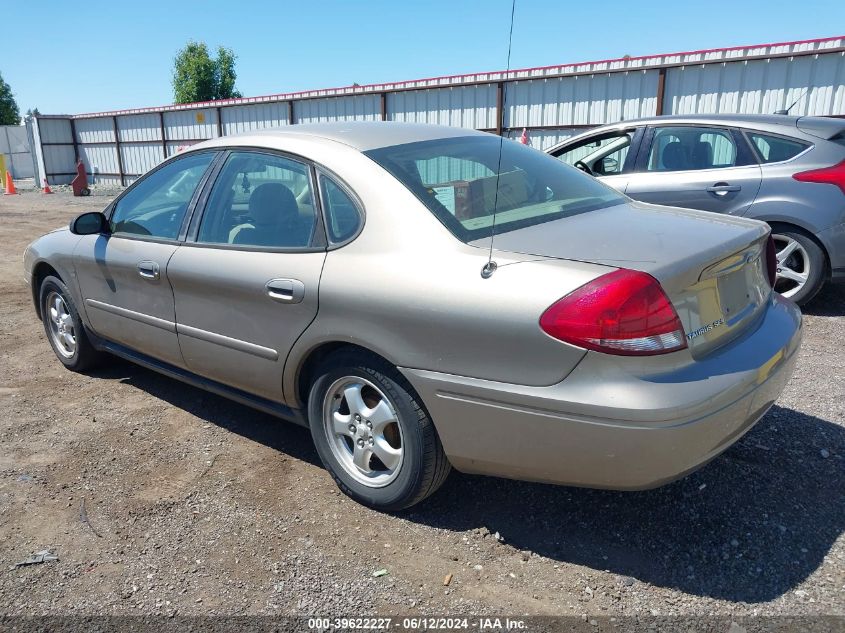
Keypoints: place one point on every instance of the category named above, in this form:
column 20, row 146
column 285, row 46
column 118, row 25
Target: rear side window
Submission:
column 342, row 216
column 687, row 148
column 773, row 149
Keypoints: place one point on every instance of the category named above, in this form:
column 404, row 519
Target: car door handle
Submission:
column 721, row 188
column 149, row 270
column 285, row 290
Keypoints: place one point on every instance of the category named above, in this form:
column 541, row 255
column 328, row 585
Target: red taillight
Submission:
column 771, row 261
column 624, row 312
column 828, row 176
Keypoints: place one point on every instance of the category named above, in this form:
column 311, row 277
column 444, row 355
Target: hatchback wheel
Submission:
column 373, row 435
column 64, row 327
column 800, row 266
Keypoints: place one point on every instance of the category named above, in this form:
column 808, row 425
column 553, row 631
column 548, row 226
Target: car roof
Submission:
column 360, row 135
column 723, row 119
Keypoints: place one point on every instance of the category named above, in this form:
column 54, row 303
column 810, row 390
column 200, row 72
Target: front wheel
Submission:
column 64, row 328
column 373, row 435
column 801, row 266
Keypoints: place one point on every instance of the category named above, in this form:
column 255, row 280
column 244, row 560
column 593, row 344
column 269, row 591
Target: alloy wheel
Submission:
column 793, row 265
column 62, row 329
column 363, row 430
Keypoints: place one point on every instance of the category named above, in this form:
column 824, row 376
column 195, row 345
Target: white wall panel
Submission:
column 107, row 181
column 139, row 127
column 467, row 106
column 58, row 159
column 239, row 119
column 581, row 100
column 103, row 157
column 139, row 158
column 55, row 130
column 759, row 87
column 99, row 130
column 191, row 124
column 357, row 108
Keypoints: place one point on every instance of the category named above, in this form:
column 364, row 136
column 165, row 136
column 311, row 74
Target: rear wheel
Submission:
column 64, row 328
column 801, row 265
column 372, row 433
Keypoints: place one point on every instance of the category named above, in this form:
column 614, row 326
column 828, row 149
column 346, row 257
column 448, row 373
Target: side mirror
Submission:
column 89, row 223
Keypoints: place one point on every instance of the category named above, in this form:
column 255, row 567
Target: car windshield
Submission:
column 456, row 178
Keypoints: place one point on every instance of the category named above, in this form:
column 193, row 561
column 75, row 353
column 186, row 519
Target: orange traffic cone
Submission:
column 10, row 185
column 46, row 188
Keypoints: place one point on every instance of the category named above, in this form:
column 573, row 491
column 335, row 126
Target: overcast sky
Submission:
column 92, row 56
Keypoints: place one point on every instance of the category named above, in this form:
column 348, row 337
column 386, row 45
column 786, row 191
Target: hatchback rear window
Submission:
column 773, row 149
column 462, row 182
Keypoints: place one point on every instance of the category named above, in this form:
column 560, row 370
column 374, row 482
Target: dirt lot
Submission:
column 196, row 505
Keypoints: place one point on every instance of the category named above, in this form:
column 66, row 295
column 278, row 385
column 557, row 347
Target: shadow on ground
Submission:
column 749, row 527
column 829, row 302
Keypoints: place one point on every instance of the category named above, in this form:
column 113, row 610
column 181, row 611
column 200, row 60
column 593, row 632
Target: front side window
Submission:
column 260, row 200
column 686, row 148
column 602, row 155
column 457, row 178
column 156, row 206
column 773, row 149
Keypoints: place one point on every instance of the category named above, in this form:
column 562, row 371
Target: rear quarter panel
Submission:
column 408, row 290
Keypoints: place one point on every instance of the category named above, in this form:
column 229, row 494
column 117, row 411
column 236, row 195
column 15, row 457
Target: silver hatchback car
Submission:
column 343, row 277
column 785, row 170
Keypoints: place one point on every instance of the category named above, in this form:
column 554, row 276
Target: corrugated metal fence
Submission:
column 14, row 146
column 551, row 102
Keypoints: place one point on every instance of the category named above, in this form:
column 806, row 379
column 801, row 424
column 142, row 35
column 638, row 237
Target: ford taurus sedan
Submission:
column 785, row 170
column 426, row 298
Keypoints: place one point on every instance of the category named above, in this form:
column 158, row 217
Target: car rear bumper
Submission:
column 608, row 425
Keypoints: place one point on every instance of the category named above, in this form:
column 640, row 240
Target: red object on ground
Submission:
column 10, row 185
column 46, row 188
column 80, row 182
column 524, row 138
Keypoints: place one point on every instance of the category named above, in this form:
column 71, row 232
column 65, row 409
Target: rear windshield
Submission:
column 456, row 178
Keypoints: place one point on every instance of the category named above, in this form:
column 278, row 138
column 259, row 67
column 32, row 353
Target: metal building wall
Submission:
column 551, row 102
column 15, row 148
column 469, row 106
column 239, row 119
column 355, row 108
column 816, row 83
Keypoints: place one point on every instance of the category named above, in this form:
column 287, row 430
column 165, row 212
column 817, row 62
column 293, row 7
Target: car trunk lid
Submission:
column 711, row 266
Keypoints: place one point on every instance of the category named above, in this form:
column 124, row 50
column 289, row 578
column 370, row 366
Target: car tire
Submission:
column 64, row 328
column 805, row 256
column 349, row 384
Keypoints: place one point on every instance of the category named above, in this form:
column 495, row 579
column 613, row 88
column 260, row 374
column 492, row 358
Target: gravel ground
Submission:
column 199, row 506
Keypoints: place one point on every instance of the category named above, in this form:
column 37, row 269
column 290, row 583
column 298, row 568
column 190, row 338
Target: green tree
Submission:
column 226, row 74
column 198, row 77
column 9, row 113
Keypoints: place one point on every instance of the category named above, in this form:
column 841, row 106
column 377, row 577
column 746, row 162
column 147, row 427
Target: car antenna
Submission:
column 490, row 267
column 801, row 96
